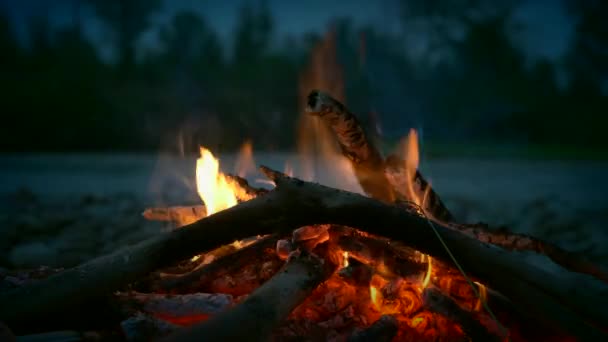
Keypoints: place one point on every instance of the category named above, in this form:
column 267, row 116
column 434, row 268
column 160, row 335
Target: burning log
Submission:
column 569, row 301
column 437, row 302
column 384, row 329
column 368, row 163
column 180, row 215
column 378, row 179
column 365, row 158
column 266, row 307
column 184, row 282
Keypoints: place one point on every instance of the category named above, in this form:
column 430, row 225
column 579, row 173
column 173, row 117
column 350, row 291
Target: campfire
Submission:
column 303, row 261
column 376, row 256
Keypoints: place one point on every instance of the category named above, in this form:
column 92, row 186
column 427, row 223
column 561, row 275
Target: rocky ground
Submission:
column 60, row 211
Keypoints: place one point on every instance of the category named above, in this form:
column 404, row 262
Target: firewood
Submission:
column 266, row 307
column 365, row 158
column 180, row 215
column 569, row 301
column 384, row 329
column 250, row 191
column 141, row 327
column 379, row 179
column 184, row 282
column 437, row 302
column 174, row 308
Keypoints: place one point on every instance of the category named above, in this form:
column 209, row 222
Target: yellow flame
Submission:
column 427, row 277
column 212, row 186
column 483, row 293
column 344, row 259
column 376, row 297
column 244, row 162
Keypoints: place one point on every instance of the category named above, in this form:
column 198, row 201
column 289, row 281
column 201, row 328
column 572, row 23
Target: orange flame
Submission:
column 244, row 163
column 217, row 191
column 412, row 159
column 483, row 292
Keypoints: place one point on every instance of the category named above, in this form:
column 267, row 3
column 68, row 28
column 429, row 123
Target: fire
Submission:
column 412, row 159
column 427, row 277
column 213, row 187
column 344, row 259
column 245, row 163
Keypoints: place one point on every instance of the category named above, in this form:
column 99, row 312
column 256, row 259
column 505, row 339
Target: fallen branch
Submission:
column 266, row 307
column 384, row 329
column 365, row 158
column 437, row 302
column 569, row 301
column 183, row 283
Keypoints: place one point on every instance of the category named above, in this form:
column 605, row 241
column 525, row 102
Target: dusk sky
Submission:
column 548, row 27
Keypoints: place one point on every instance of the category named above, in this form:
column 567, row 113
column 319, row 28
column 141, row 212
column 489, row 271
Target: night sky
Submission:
column 547, row 27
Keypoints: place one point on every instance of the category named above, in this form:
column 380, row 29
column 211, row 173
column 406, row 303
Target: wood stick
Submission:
column 182, row 283
column 570, row 301
column 439, row 303
column 384, row 329
column 181, row 215
column 266, row 307
column 365, row 158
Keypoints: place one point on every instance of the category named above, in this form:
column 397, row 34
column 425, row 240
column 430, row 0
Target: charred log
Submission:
column 183, row 283
column 384, row 329
column 177, row 309
column 437, row 302
column 266, row 307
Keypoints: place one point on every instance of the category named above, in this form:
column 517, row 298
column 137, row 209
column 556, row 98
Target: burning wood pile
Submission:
column 303, row 261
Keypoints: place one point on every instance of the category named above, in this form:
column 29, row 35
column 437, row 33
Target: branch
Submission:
column 266, row 307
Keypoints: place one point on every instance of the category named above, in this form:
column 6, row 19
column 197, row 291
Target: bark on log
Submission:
column 184, row 282
column 437, row 302
column 384, row 329
column 365, row 158
column 266, row 307
column 570, row 301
